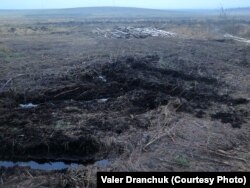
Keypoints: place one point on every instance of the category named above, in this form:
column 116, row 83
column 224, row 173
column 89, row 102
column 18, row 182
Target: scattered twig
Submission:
column 154, row 140
column 65, row 92
column 213, row 160
column 227, row 155
column 28, row 173
column 6, row 83
column 166, row 133
column 11, row 79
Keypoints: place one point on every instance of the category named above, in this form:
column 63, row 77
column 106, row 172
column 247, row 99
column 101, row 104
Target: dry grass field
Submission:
column 113, row 91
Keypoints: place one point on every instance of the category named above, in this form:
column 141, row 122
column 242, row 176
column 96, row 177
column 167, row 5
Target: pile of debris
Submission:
column 239, row 39
column 133, row 32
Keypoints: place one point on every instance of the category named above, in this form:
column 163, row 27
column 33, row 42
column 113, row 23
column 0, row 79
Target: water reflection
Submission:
column 38, row 166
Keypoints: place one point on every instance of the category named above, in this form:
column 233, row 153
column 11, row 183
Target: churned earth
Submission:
column 71, row 96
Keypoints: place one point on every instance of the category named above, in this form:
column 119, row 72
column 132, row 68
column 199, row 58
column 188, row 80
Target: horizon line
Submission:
column 16, row 9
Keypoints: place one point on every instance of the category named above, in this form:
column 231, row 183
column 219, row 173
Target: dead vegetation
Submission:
column 178, row 104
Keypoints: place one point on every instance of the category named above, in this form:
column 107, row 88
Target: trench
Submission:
column 129, row 86
column 49, row 165
column 39, row 166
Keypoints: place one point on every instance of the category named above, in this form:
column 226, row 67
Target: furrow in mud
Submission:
column 72, row 121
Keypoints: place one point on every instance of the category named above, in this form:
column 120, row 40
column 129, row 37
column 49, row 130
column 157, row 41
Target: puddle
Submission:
column 102, row 163
column 37, row 166
column 49, row 165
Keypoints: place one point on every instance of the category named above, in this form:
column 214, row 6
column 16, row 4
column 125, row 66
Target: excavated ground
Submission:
column 73, row 117
column 144, row 104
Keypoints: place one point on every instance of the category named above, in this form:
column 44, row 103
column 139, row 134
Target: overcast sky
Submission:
column 160, row 4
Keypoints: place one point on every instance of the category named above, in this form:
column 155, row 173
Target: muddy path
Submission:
column 75, row 119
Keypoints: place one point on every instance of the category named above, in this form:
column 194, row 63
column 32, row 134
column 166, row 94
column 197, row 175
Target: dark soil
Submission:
column 142, row 104
column 132, row 85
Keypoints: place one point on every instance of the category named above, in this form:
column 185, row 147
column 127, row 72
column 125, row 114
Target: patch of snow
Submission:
column 102, row 78
column 102, row 100
column 27, row 106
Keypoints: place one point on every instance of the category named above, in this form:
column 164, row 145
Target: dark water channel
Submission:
column 39, row 166
column 60, row 165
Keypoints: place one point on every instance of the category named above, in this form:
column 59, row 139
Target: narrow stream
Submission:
column 49, row 165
